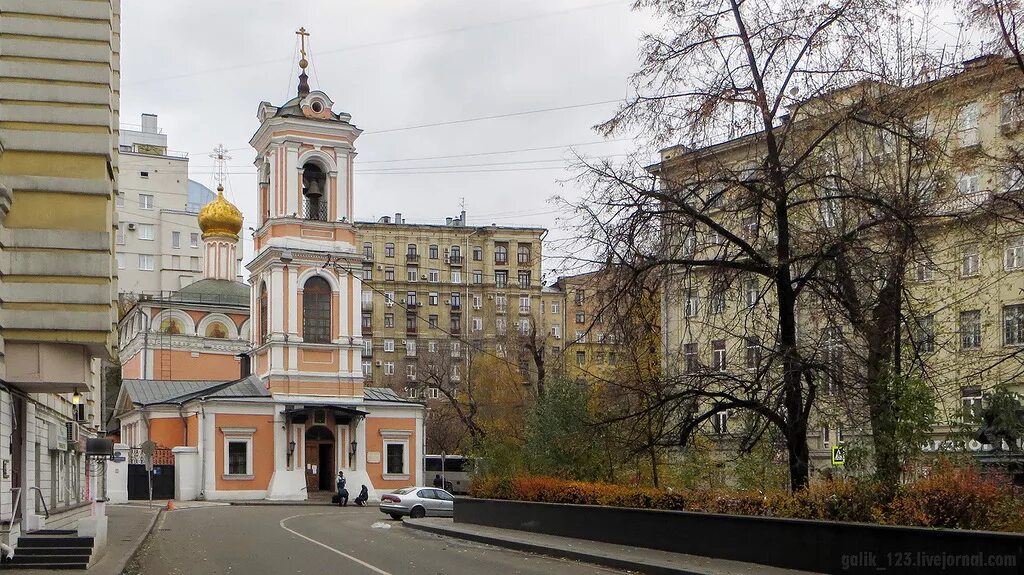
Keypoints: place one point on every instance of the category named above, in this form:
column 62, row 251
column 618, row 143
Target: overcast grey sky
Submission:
column 204, row 66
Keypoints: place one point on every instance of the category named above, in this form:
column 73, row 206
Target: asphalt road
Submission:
column 321, row 540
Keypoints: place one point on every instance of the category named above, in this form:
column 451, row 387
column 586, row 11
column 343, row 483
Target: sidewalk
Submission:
column 128, row 527
column 650, row 561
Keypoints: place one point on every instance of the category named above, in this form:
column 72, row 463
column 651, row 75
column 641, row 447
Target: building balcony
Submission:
column 367, row 329
column 500, row 260
column 454, row 260
column 367, row 257
column 410, row 330
column 367, row 352
column 525, row 262
column 367, row 305
column 412, row 257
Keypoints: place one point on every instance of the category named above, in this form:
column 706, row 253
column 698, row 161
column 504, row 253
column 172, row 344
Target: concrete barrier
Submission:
column 818, row 546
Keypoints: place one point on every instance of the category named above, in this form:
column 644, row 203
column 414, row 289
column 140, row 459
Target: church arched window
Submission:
column 262, row 333
column 314, row 183
column 316, row 310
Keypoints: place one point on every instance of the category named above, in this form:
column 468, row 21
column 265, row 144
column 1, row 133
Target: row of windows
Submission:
column 598, row 357
column 147, row 262
column 454, row 253
column 413, row 274
column 477, row 325
column 970, row 260
column 718, row 360
column 454, row 299
column 147, row 232
column 969, row 330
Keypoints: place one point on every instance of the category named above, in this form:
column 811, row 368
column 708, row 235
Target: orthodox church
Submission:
column 256, row 391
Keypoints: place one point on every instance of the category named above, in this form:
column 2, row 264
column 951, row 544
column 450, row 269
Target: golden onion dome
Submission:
column 220, row 218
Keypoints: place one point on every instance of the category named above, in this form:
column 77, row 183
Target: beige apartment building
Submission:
column 964, row 288
column 59, row 106
column 159, row 244
column 438, row 289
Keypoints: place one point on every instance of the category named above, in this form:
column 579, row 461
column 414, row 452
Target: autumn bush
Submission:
column 951, row 497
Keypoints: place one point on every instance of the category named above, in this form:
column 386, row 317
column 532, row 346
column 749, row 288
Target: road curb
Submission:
column 265, row 503
column 557, row 552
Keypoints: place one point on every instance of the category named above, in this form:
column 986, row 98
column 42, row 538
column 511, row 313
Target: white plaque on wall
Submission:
column 373, row 457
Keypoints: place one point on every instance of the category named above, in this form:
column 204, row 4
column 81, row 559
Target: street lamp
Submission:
column 352, row 448
column 76, row 398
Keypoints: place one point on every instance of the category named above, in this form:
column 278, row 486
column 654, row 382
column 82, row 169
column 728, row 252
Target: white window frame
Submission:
column 176, row 240
column 238, row 435
column 410, row 348
column 193, row 239
column 434, row 276
column 556, row 307
column 692, row 304
column 146, row 201
column 1013, row 254
column 968, row 184
column 970, row 264
column 152, row 262
column 389, row 368
column 120, row 260
column 478, row 301
column 478, row 324
column 395, row 437
column 149, row 236
column 967, row 119
column 389, row 345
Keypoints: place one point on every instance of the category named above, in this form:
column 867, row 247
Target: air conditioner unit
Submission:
column 379, row 363
column 402, row 300
column 379, row 267
column 131, row 226
column 446, row 302
column 404, row 342
column 423, row 276
column 490, row 297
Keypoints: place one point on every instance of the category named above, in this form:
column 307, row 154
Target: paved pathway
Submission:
column 295, row 539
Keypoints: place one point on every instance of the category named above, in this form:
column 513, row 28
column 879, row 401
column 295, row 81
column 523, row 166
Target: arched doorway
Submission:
column 320, row 462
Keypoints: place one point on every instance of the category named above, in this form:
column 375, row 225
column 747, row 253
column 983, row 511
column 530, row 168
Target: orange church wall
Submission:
column 262, row 451
column 319, row 360
column 319, row 388
column 374, row 442
column 167, row 431
column 208, row 366
column 238, row 318
column 196, row 316
column 132, row 369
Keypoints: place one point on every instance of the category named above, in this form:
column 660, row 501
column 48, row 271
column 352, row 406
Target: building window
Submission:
column 410, row 299
column 120, row 200
column 720, row 423
column 478, row 253
column 455, row 373
column 500, row 303
column 456, row 255
column 1012, row 179
column 316, row 310
column 389, row 345
column 410, row 372
column 1013, row 324
column 410, row 348
column 432, row 298
column 434, row 276
column 410, row 322
column 367, row 367
column 432, row 321
column 926, row 333
column 194, row 263
column 830, row 210
column 970, row 329
column 389, row 320
column 455, row 324
column 523, row 254
column 967, row 124
column 581, row 317
column 120, row 233
column 175, row 262
column 556, row 307
column 144, row 175
column 690, row 359
column 718, row 355
column 524, row 304
column 478, row 324
column 500, row 279
column 432, row 251
column 456, row 277
column 478, row 301
column 968, row 184
column 389, row 368
column 581, row 358
column 368, row 250
column 145, row 231
column 368, row 347
column 1014, row 254
column 524, row 280
column 263, row 319
column 717, row 301
column 389, row 250
column 753, row 353
column 501, row 253
column 556, row 331
column 389, row 274
column 367, row 322
column 456, row 349
column 500, row 325
column 193, row 240
column 924, row 270
column 456, row 300
column 524, row 326
column 175, row 240
column 970, row 265
column 395, row 458
column 432, row 346
column 691, row 303
column 478, row 277
column 411, row 250
column 146, row 262
column 971, row 401
column 238, row 461
column 367, row 273
column 750, row 227
column 145, row 201
column 751, row 292
column 411, row 272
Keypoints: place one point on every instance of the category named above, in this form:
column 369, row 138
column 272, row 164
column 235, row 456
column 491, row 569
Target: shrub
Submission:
column 952, row 497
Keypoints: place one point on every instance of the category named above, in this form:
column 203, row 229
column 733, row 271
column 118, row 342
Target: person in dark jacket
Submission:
column 438, row 481
column 342, row 492
column 362, row 497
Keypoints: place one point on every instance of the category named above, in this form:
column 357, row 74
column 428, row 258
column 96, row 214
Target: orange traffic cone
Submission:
column 170, row 505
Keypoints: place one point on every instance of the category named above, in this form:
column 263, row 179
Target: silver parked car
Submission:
column 418, row 502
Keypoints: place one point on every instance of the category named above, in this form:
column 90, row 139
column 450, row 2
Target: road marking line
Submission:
column 328, row 547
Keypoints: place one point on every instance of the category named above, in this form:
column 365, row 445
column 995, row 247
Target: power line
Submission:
column 494, row 117
column 514, row 151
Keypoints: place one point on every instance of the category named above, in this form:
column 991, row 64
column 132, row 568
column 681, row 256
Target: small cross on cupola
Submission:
column 303, row 62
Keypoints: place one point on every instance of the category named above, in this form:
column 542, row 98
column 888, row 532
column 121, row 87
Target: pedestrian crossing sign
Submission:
column 838, row 455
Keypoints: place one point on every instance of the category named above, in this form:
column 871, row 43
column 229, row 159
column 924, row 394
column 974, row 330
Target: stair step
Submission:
column 49, row 559
column 51, row 566
column 53, row 532
column 53, row 551
column 54, row 541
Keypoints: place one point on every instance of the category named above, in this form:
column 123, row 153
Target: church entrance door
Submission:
column 320, row 464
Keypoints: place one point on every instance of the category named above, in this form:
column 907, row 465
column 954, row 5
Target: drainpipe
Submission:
column 201, row 444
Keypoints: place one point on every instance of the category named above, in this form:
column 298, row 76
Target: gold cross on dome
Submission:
column 302, row 34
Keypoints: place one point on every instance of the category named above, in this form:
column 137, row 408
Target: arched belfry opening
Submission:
column 314, row 186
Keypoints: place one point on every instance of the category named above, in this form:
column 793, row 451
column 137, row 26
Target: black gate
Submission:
column 163, row 475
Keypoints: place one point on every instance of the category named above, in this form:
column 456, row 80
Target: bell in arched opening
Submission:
column 314, row 181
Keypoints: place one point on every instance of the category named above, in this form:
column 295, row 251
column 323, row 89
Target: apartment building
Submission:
column 159, row 244
column 964, row 288
column 441, row 288
column 59, row 106
column 609, row 330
